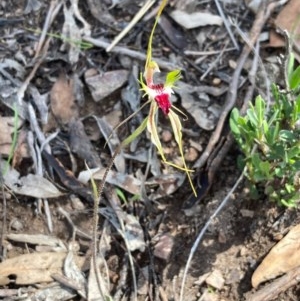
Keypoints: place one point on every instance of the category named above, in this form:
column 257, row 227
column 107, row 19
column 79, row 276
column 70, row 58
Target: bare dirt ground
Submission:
column 69, row 93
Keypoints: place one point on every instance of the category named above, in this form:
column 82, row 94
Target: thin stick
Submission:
column 97, row 201
column 211, row 52
column 3, row 216
column 131, row 53
column 52, row 12
column 227, row 25
column 135, row 19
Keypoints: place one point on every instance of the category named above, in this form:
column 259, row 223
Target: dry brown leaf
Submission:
column 38, row 239
column 288, row 19
column 34, row 268
column 62, row 100
column 283, row 257
column 31, row 185
column 127, row 182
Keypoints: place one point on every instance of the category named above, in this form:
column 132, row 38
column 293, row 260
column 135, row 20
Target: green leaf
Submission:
column 256, row 160
column 136, row 133
column 260, row 109
column 233, row 122
column 121, row 195
column 272, row 134
column 273, row 118
column 252, row 117
column 235, row 114
column 293, row 152
column 286, row 135
column 265, row 126
column 294, row 80
column 265, row 167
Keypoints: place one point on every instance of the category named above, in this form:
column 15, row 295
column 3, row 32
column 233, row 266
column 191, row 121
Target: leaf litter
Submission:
column 54, row 83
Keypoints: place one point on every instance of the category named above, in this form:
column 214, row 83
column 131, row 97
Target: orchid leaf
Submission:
column 125, row 120
column 136, row 133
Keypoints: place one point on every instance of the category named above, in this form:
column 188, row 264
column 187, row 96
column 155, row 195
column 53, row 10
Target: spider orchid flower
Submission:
column 159, row 97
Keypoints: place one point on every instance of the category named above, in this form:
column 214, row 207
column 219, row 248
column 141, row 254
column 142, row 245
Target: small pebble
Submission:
column 232, row 64
column 216, row 81
column 16, row 225
column 243, row 251
column 76, row 203
column 191, row 154
column 166, row 136
column 91, row 72
column 278, row 236
column 201, row 279
column 247, row 213
column 215, row 279
column 222, row 237
column 164, row 246
column 234, row 276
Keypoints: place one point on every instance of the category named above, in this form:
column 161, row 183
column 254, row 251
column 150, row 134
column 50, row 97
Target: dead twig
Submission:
column 75, row 229
column 272, row 290
column 130, row 25
column 206, row 53
column 214, row 63
column 25, row 84
column 131, row 53
column 227, row 25
column 52, row 12
column 3, row 217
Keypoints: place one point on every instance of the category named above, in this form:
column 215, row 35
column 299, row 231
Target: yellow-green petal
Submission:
column 176, row 126
column 172, row 78
column 151, row 126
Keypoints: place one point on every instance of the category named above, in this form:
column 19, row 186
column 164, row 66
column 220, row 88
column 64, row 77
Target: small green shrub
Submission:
column 270, row 140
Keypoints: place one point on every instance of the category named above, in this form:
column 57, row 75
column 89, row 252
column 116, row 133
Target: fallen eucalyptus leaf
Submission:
column 126, row 182
column 31, row 185
column 34, row 267
column 38, row 239
column 283, row 257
